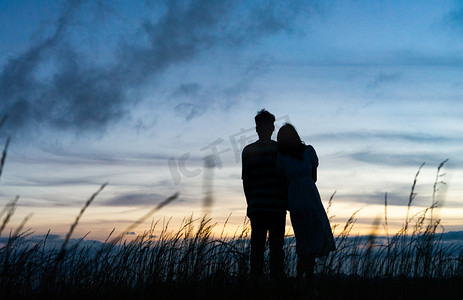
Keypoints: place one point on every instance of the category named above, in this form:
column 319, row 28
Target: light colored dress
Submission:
column 308, row 217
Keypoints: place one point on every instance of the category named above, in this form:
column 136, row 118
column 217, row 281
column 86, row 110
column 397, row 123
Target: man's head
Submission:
column 264, row 124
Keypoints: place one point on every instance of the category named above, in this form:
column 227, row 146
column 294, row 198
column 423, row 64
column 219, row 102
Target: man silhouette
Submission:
column 265, row 197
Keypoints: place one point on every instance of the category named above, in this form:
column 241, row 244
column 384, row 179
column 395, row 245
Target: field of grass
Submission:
column 192, row 263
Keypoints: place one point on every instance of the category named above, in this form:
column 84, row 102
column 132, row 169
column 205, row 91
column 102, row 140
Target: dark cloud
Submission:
column 189, row 110
column 420, row 58
column 57, row 182
column 56, row 84
column 397, row 159
column 72, row 94
column 385, row 78
column 193, row 101
column 454, row 19
column 421, row 138
column 394, row 198
column 186, row 90
column 134, row 199
column 71, row 157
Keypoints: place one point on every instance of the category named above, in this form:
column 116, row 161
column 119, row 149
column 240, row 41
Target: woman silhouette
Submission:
column 311, row 226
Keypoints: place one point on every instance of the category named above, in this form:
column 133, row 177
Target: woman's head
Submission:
column 289, row 142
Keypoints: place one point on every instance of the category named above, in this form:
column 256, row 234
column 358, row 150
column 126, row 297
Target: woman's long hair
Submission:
column 289, row 142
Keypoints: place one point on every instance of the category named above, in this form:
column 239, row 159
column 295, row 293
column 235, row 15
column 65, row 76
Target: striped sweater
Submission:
column 264, row 188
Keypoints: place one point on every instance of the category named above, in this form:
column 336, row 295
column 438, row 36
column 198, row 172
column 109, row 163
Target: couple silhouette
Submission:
column 279, row 176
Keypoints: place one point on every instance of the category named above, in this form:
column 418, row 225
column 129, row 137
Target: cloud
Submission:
column 454, row 19
column 396, row 159
column 73, row 93
column 134, row 199
column 420, row 138
column 57, row 156
column 58, row 182
column 420, row 58
column 194, row 98
column 385, row 78
column 399, row 199
column 56, row 84
column 193, row 101
column 189, row 110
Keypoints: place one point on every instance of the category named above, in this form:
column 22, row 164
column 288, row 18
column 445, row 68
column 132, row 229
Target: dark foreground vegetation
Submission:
column 190, row 263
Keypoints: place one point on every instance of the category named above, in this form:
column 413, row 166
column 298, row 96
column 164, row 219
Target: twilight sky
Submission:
column 138, row 93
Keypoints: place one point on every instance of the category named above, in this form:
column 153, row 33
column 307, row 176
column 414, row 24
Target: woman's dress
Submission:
column 308, row 217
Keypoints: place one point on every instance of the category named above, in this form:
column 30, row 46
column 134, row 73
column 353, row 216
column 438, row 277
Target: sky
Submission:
column 139, row 94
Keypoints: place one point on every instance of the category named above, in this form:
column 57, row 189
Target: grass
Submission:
column 190, row 262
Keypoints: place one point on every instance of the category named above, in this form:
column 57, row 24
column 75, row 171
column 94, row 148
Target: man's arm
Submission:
column 244, row 174
column 246, row 188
